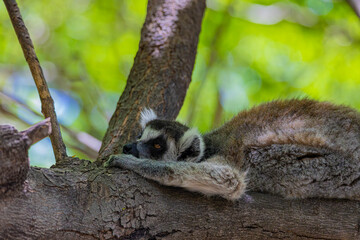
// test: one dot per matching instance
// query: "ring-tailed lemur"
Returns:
(295, 148)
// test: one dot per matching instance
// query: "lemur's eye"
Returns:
(157, 146)
(138, 136)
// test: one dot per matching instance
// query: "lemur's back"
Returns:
(304, 122)
(297, 148)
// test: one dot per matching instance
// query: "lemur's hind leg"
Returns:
(298, 171)
(207, 178)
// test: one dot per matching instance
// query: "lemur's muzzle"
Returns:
(131, 149)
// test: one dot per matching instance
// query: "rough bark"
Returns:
(84, 202)
(14, 162)
(162, 69)
(47, 103)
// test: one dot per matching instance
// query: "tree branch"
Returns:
(47, 103)
(38, 131)
(14, 162)
(355, 4)
(162, 68)
(90, 203)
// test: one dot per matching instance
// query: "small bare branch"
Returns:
(355, 4)
(38, 131)
(47, 103)
(14, 161)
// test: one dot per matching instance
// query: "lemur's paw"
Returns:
(223, 175)
(237, 186)
(110, 162)
(125, 161)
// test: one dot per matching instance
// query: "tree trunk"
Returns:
(162, 69)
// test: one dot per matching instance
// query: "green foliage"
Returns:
(265, 50)
(250, 51)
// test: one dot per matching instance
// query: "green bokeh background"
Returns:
(250, 51)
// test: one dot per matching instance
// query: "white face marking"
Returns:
(149, 133)
(187, 139)
(147, 115)
(171, 153)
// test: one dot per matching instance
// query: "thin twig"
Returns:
(220, 29)
(355, 4)
(47, 103)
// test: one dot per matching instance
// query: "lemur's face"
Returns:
(165, 140)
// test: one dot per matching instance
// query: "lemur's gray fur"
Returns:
(295, 148)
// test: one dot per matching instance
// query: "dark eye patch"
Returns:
(157, 152)
(139, 136)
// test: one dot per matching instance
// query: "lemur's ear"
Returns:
(147, 115)
(191, 146)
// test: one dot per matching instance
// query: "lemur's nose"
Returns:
(127, 148)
